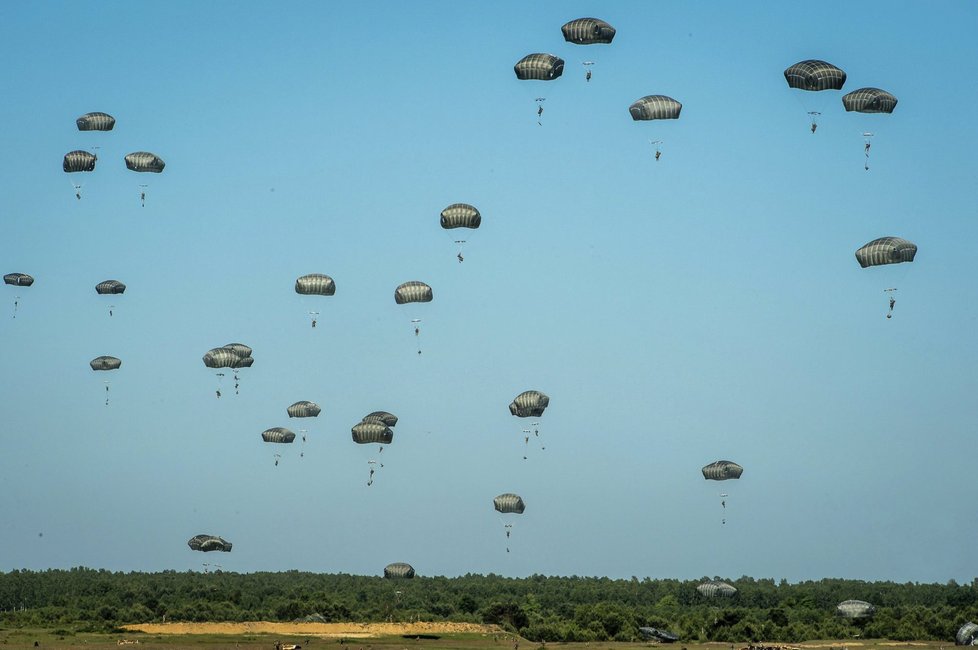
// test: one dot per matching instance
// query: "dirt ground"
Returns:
(325, 630)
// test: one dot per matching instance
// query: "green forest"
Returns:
(539, 608)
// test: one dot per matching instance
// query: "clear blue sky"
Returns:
(677, 312)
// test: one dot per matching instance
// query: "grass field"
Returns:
(353, 636)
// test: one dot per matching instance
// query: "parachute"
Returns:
(814, 75)
(234, 356)
(372, 432)
(460, 215)
(95, 122)
(713, 588)
(722, 470)
(509, 503)
(530, 403)
(382, 417)
(886, 250)
(399, 570)
(208, 543)
(144, 161)
(855, 609)
(967, 634)
(540, 67)
(304, 409)
(588, 31)
(110, 287)
(79, 161)
(18, 279)
(869, 100)
(655, 107)
(105, 363)
(413, 291)
(315, 284)
(278, 435)
(655, 634)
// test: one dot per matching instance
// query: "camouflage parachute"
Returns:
(655, 107)
(110, 287)
(315, 284)
(278, 435)
(96, 121)
(304, 409)
(855, 609)
(79, 161)
(144, 161)
(381, 417)
(869, 100)
(529, 404)
(540, 67)
(372, 432)
(722, 470)
(105, 363)
(655, 634)
(208, 543)
(229, 357)
(814, 75)
(967, 634)
(588, 31)
(886, 250)
(509, 502)
(399, 570)
(713, 588)
(460, 215)
(18, 279)
(413, 291)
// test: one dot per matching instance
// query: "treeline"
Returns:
(539, 608)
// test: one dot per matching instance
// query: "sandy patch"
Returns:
(351, 630)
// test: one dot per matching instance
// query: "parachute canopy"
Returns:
(886, 250)
(105, 363)
(855, 609)
(712, 588)
(278, 434)
(232, 355)
(542, 67)
(144, 161)
(79, 161)
(18, 279)
(869, 100)
(652, 633)
(588, 31)
(967, 634)
(655, 107)
(382, 417)
(399, 570)
(372, 432)
(509, 502)
(814, 75)
(460, 215)
(304, 409)
(110, 287)
(413, 291)
(96, 121)
(721, 470)
(529, 404)
(315, 284)
(207, 543)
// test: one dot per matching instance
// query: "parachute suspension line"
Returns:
(587, 66)
(315, 317)
(302, 452)
(889, 293)
(459, 255)
(278, 457)
(813, 115)
(106, 393)
(539, 101)
(417, 332)
(142, 195)
(658, 149)
(867, 145)
(16, 302)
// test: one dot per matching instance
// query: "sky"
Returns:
(704, 306)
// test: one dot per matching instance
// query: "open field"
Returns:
(372, 636)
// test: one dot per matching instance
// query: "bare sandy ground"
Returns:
(350, 630)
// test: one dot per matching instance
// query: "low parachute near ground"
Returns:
(967, 634)
(855, 609)
(96, 121)
(207, 543)
(716, 588)
(722, 470)
(399, 570)
(655, 634)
